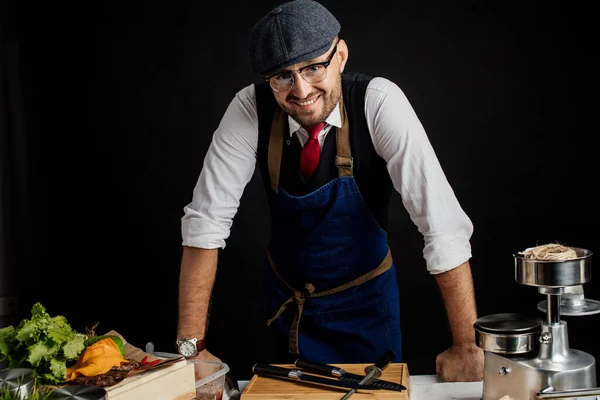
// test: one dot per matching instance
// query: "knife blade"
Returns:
(296, 375)
(342, 374)
(373, 371)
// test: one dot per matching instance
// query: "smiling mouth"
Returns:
(308, 102)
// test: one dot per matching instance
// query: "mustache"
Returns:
(294, 98)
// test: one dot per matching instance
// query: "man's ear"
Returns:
(342, 54)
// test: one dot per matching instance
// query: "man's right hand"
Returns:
(202, 370)
(205, 355)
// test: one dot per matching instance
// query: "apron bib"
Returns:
(330, 281)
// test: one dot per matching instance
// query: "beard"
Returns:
(330, 100)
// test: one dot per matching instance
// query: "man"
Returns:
(331, 147)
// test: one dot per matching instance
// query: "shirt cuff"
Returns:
(445, 254)
(203, 234)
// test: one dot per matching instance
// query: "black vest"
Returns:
(370, 170)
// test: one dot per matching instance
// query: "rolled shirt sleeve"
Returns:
(228, 167)
(400, 139)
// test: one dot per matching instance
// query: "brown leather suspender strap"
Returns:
(278, 129)
(300, 297)
(343, 159)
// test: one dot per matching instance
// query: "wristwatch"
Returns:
(190, 347)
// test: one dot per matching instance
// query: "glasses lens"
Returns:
(314, 73)
(282, 82)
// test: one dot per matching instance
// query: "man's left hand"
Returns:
(460, 363)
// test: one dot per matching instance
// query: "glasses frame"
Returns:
(325, 64)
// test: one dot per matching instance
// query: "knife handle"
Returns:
(385, 359)
(262, 369)
(314, 366)
(381, 363)
(234, 388)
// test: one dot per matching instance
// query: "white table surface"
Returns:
(429, 387)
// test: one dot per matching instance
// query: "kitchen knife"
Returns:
(340, 373)
(296, 375)
(373, 371)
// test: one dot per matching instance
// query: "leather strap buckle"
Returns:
(344, 162)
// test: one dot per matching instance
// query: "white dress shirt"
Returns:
(398, 137)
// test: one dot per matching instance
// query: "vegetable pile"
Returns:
(43, 343)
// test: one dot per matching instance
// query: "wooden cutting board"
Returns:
(261, 387)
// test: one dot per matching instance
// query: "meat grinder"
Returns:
(528, 357)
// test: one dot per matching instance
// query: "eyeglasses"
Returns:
(313, 73)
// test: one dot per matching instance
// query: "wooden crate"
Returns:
(263, 388)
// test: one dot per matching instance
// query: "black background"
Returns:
(113, 106)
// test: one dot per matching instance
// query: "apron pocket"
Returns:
(354, 334)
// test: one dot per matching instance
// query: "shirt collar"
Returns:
(333, 119)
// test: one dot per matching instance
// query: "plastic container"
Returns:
(210, 379)
(210, 376)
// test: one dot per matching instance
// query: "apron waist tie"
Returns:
(300, 297)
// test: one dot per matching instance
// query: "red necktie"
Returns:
(311, 152)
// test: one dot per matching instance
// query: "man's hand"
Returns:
(462, 363)
(202, 370)
(205, 355)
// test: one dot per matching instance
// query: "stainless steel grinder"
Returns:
(528, 358)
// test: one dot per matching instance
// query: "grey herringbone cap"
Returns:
(290, 33)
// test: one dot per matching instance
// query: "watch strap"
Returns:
(200, 345)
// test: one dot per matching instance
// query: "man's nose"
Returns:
(301, 88)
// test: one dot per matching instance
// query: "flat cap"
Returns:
(291, 33)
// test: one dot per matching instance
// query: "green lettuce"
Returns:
(43, 343)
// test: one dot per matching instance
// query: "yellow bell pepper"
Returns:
(96, 359)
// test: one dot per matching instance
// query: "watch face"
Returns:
(187, 348)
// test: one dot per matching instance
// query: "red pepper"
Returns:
(152, 363)
(144, 360)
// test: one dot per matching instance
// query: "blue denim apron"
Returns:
(329, 278)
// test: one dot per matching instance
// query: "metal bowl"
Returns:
(78, 392)
(18, 380)
(508, 333)
(553, 273)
